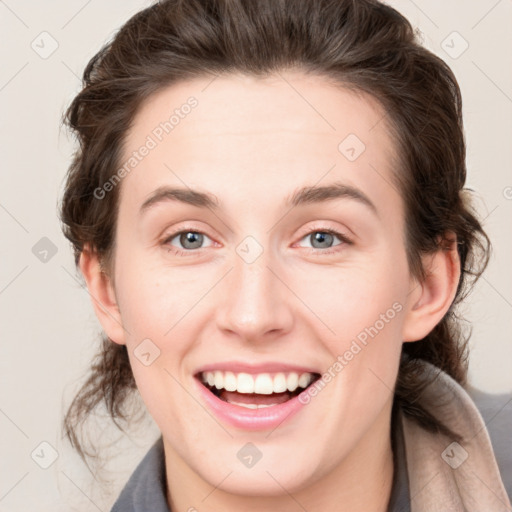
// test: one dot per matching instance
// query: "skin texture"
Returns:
(251, 143)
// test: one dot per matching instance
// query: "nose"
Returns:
(257, 305)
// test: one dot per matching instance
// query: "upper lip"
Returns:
(251, 368)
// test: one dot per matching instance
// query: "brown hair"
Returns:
(360, 44)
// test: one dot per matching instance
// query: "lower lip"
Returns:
(251, 419)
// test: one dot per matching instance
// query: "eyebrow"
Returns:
(183, 195)
(337, 190)
(303, 196)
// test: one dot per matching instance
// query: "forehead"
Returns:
(288, 101)
(257, 138)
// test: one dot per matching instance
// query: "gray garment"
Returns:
(146, 489)
(496, 410)
(400, 498)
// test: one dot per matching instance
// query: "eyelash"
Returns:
(194, 252)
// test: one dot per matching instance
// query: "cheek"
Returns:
(163, 397)
(360, 301)
(162, 311)
(153, 300)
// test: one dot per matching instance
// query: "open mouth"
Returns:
(256, 391)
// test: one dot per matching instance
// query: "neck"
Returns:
(362, 481)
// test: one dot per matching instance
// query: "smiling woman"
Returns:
(277, 273)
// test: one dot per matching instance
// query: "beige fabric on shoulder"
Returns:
(450, 476)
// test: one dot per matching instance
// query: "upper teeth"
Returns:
(262, 383)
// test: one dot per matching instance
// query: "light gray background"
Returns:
(49, 330)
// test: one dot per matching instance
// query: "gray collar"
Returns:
(147, 487)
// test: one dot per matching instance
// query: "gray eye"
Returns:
(191, 239)
(323, 239)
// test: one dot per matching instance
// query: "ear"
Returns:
(102, 296)
(429, 300)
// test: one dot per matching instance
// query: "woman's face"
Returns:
(282, 254)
